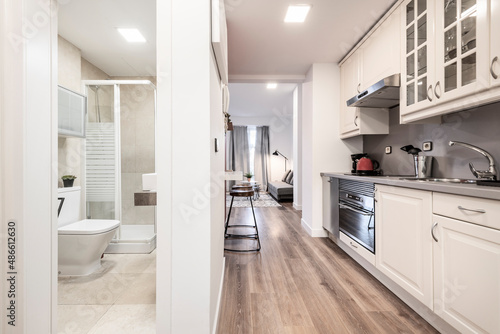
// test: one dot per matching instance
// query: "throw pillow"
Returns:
(283, 179)
(289, 177)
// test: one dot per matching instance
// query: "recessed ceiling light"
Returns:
(132, 35)
(297, 13)
(272, 85)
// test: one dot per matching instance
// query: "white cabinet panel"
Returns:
(381, 52)
(467, 275)
(403, 244)
(494, 60)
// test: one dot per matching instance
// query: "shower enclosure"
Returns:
(120, 147)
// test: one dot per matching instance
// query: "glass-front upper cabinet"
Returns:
(417, 73)
(494, 63)
(462, 48)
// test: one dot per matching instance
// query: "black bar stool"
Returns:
(242, 193)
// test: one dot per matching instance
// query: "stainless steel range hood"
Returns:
(383, 94)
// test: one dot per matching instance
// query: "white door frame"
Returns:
(28, 161)
(28, 164)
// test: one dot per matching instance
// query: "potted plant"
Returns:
(248, 176)
(68, 180)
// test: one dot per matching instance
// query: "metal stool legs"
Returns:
(242, 236)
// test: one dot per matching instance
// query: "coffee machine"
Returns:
(355, 158)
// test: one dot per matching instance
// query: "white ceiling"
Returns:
(255, 100)
(260, 43)
(91, 26)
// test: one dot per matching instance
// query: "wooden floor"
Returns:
(298, 284)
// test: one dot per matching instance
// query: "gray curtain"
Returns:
(237, 152)
(262, 157)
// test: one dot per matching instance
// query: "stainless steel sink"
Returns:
(439, 179)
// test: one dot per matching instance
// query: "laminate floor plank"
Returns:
(297, 284)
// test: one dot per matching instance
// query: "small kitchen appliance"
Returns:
(355, 158)
(367, 166)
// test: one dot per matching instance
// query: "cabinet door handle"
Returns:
(353, 245)
(432, 232)
(472, 210)
(355, 118)
(359, 88)
(429, 95)
(493, 74)
(435, 90)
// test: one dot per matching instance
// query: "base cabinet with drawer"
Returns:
(466, 252)
(402, 239)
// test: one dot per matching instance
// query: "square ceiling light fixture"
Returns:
(297, 13)
(132, 35)
(272, 85)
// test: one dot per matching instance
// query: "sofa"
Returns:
(282, 190)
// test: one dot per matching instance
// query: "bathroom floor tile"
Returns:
(95, 289)
(79, 319)
(141, 291)
(126, 263)
(127, 319)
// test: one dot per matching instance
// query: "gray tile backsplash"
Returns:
(479, 127)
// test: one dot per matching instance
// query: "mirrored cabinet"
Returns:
(72, 111)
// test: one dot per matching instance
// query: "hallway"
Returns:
(299, 284)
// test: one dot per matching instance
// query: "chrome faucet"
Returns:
(491, 173)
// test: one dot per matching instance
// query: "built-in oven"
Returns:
(357, 212)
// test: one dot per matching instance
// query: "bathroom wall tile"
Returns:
(142, 291)
(145, 130)
(92, 72)
(101, 288)
(145, 159)
(127, 319)
(79, 319)
(145, 215)
(128, 159)
(128, 133)
(69, 63)
(128, 212)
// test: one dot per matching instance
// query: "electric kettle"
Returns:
(366, 166)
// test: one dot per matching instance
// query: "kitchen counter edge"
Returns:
(449, 188)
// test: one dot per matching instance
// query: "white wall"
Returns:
(297, 147)
(28, 162)
(280, 138)
(190, 174)
(322, 150)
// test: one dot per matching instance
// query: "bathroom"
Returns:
(122, 290)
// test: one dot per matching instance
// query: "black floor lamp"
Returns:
(279, 153)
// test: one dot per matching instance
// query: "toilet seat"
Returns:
(89, 227)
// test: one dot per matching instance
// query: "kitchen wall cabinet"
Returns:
(462, 48)
(417, 71)
(377, 58)
(449, 55)
(403, 244)
(467, 275)
(494, 60)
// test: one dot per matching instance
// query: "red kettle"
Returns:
(366, 166)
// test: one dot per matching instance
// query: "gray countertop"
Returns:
(450, 188)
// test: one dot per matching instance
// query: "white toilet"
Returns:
(81, 242)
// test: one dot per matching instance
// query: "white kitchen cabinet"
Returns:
(467, 275)
(377, 58)
(494, 60)
(403, 243)
(462, 48)
(380, 53)
(417, 71)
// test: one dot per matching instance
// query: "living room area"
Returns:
(262, 142)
